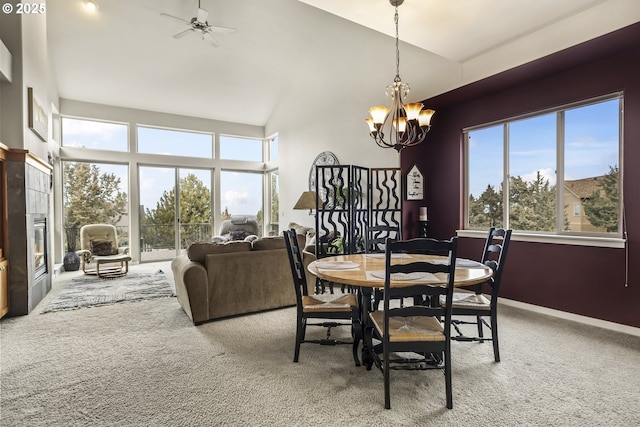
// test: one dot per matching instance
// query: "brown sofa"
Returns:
(216, 280)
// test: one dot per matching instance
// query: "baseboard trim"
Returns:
(571, 316)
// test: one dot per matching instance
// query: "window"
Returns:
(93, 134)
(171, 169)
(274, 203)
(174, 142)
(241, 194)
(562, 168)
(234, 148)
(95, 193)
(273, 148)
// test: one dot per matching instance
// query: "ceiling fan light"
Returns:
(91, 5)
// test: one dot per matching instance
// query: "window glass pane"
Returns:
(94, 135)
(591, 166)
(195, 206)
(485, 148)
(233, 148)
(241, 194)
(157, 213)
(174, 142)
(274, 200)
(273, 148)
(532, 166)
(95, 193)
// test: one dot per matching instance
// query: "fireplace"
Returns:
(29, 231)
(39, 247)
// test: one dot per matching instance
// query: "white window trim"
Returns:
(558, 239)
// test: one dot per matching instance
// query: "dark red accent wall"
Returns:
(588, 281)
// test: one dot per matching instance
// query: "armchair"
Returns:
(99, 245)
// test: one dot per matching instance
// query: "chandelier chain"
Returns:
(397, 79)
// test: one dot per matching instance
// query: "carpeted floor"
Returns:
(91, 291)
(145, 364)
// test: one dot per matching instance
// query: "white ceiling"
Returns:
(124, 54)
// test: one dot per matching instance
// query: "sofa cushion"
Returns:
(197, 252)
(267, 243)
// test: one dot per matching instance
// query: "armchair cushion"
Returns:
(102, 247)
(239, 234)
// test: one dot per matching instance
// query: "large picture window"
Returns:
(93, 134)
(180, 191)
(552, 172)
(174, 142)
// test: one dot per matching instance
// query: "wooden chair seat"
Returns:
(469, 300)
(407, 329)
(344, 303)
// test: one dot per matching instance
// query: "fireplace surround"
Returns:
(28, 214)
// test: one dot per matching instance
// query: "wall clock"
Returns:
(415, 184)
(326, 158)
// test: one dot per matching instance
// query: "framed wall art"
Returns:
(415, 184)
(38, 119)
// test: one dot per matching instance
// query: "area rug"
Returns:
(92, 291)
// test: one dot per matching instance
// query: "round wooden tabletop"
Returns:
(367, 270)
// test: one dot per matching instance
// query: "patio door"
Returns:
(175, 210)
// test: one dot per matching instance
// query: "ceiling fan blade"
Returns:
(222, 29)
(202, 15)
(209, 38)
(183, 33)
(175, 17)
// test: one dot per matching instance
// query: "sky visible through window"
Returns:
(591, 147)
(240, 192)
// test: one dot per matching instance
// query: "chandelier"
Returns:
(403, 125)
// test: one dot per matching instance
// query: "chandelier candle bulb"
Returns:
(423, 214)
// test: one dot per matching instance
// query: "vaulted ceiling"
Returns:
(124, 54)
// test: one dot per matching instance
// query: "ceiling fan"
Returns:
(199, 24)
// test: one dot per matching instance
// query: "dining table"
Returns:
(365, 271)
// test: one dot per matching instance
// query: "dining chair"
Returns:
(313, 311)
(421, 329)
(476, 304)
(375, 240)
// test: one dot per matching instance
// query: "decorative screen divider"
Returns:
(350, 199)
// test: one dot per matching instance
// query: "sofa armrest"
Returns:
(192, 289)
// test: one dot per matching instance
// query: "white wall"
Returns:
(327, 113)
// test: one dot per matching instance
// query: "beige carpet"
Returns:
(145, 364)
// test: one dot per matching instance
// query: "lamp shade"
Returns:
(307, 200)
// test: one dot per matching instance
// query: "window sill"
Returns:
(602, 242)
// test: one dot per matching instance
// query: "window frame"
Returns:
(135, 159)
(601, 239)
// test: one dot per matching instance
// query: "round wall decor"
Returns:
(323, 159)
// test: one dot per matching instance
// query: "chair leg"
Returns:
(480, 331)
(494, 336)
(300, 330)
(447, 378)
(377, 296)
(387, 385)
